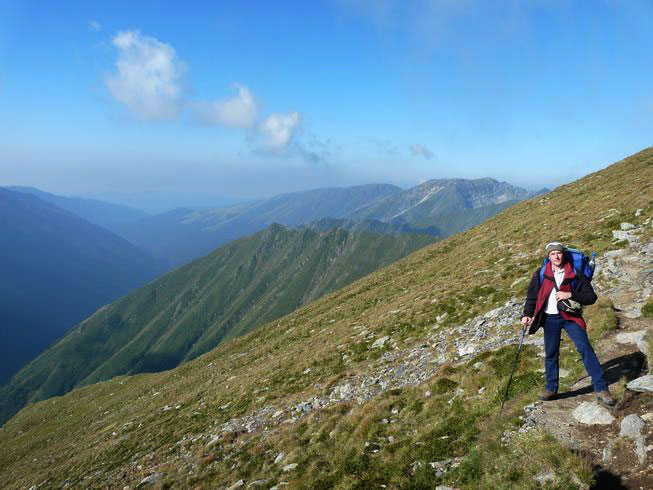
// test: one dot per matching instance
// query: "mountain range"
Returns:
(181, 235)
(382, 382)
(438, 207)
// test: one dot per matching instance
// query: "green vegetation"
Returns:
(601, 318)
(647, 309)
(121, 430)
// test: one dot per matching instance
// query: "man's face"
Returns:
(556, 257)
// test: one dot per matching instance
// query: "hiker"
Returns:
(541, 309)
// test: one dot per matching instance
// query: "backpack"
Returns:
(581, 263)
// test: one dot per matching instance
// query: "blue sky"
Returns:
(249, 99)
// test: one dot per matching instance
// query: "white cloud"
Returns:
(278, 129)
(148, 78)
(421, 151)
(94, 25)
(239, 111)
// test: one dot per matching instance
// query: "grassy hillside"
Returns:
(189, 311)
(171, 423)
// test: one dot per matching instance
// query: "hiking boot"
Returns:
(605, 398)
(547, 395)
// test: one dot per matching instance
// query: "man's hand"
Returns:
(527, 320)
(560, 295)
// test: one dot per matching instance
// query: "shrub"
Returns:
(647, 309)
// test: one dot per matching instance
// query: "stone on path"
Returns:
(631, 427)
(591, 413)
(633, 338)
(643, 384)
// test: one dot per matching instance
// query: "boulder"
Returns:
(636, 338)
(631, 427)
(643, 384)
(591, 413)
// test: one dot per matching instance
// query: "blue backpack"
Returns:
(581, 263)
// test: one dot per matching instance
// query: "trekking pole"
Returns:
(514, 365)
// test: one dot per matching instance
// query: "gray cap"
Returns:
(554, 246)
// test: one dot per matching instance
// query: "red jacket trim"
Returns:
(547, 286)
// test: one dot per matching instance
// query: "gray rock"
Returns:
(627, 226)
(290, 467)
(150, 480)
(636, 338)
(238, 484)
(641, 450)
(467, 349)
(625, 235)
(378, 343)
(258, 483)
(631, 427)
(279, 457)
(607, 453)
(642, 384)
(547, 476)
(591, 413)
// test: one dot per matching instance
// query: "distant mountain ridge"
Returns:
(192, 309)
(451, 205)
(438, 207)
(56, 269)
(183, 235)
(100, 213)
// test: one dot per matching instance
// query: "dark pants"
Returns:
(553, 326)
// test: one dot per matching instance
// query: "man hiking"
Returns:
(561, 282)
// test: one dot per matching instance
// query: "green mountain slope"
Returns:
(55, 270)
(371, 225)
(189, 311)
(176, 425)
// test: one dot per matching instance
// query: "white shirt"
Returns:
(552, 304)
